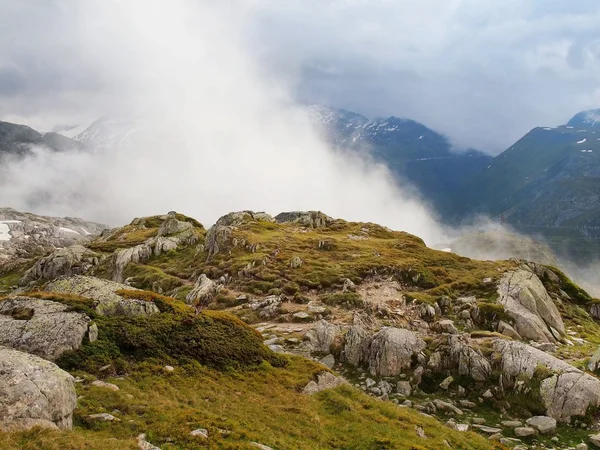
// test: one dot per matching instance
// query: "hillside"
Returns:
(295, 331)
(16, 140)
(545, 184)
(412, 151)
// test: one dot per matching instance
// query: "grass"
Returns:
(263, 404)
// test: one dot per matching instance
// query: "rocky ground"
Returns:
(505, 350)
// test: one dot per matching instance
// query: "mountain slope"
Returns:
(412, 151)
(16, 140)
(548, 182)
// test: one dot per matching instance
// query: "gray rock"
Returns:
(348, 286)
(487, 430)
(328, 361)
(594, 362)
(73, 260)
(469, 361)
(102, 417)
(583, 446)
(447, 326)
(302, 316)
(321, 338)
(508, 330)
(446, 406)
(446, 383)
(467, 404)
(260, 446)
(325, 380)
(527, 302)
(511, 423)
(105, 385)
(488, 394)
(427, 312)
(33, 389)
(544, 424)
(524, 431)
(404, 388)
(312, 219)
(391, 351)
(203, 292)
(201, 432)
(41, 327)
(355, 350)
(103, 292)
(296, 262)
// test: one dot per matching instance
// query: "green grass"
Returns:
(263, 405)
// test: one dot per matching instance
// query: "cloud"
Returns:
(219, 132)
(480, 71)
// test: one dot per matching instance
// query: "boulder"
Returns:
(404, 388)
(73, 260)
(594, 362)
(45, 328)
(321, 338)
(356, 346)
(567, 392)
(595, 440)
(507, 330)
(391, 351)
(525, 431)
(123, 257)
(527, 302)
(446, 326)
(104, 293)
(467, 360)
(33, 390)
(203, 293)
(325, 380)
(312, 219)
(543, 424)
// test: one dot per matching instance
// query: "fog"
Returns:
(219, 132)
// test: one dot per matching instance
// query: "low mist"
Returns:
(219, 134)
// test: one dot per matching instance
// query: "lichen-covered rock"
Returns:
(567, 392)
(356, 346)
(73, 260)
(34, 391)
(203, 293)
(325, 380)
(467, 360)
(45, 328)
(391, 351)
(123, 257)
(527, 302)
(312, 219)
(321, 338)
(104, 293)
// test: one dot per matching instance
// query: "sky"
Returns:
(482, 72)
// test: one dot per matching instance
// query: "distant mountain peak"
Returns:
(586, 119)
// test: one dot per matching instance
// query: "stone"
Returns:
(203, 292)
(594, 362)
(348, 286)
(93, 332)
(446, 383)
(427, 312)
(595, 440)
(567, 392)
(478, 420)
(321, 338)
(447, 326)
(446, 406)
(105, 385)
(73, 260)
(143, 444)
(201, 432)
(325, 380)
(102, 417)
(311, 219)
(467, 360)
(404, 388)
(467, 404)
(296, 262)
(488, 394)
(169, 369)
(328, 361)
(544, 424)
(583, 446)
(391, 351)
(41, 327)
(524, 431)
(461, 392)
(301, 316)
(106, 301)
(507, 330)
(33, 389)
(511, 423)
(527, 302)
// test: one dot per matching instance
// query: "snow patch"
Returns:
(420, 137)
(86, 232)
(447, 250)
(5, 230)
(68, 230)
(582, 141)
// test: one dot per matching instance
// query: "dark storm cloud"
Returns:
(482, 72)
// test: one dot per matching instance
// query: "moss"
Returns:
(493, 312)
(577, 295)
(144, 276)
(163, 303)
(346, 299)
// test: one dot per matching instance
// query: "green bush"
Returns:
(345, 299)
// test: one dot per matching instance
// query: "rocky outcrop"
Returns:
(356, 346)
(103, 292)
(219, 237)
(34, 392)
(203, 293)
(45, 328)
(325, 380)
(312, 219)
(468, 361)
(391, 351)
(567, 392)
(321, 338)
(527, 302)
(73, 260)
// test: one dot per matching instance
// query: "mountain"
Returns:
(547, 183)
(294, 331)
(16, 140)
(412, 151)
